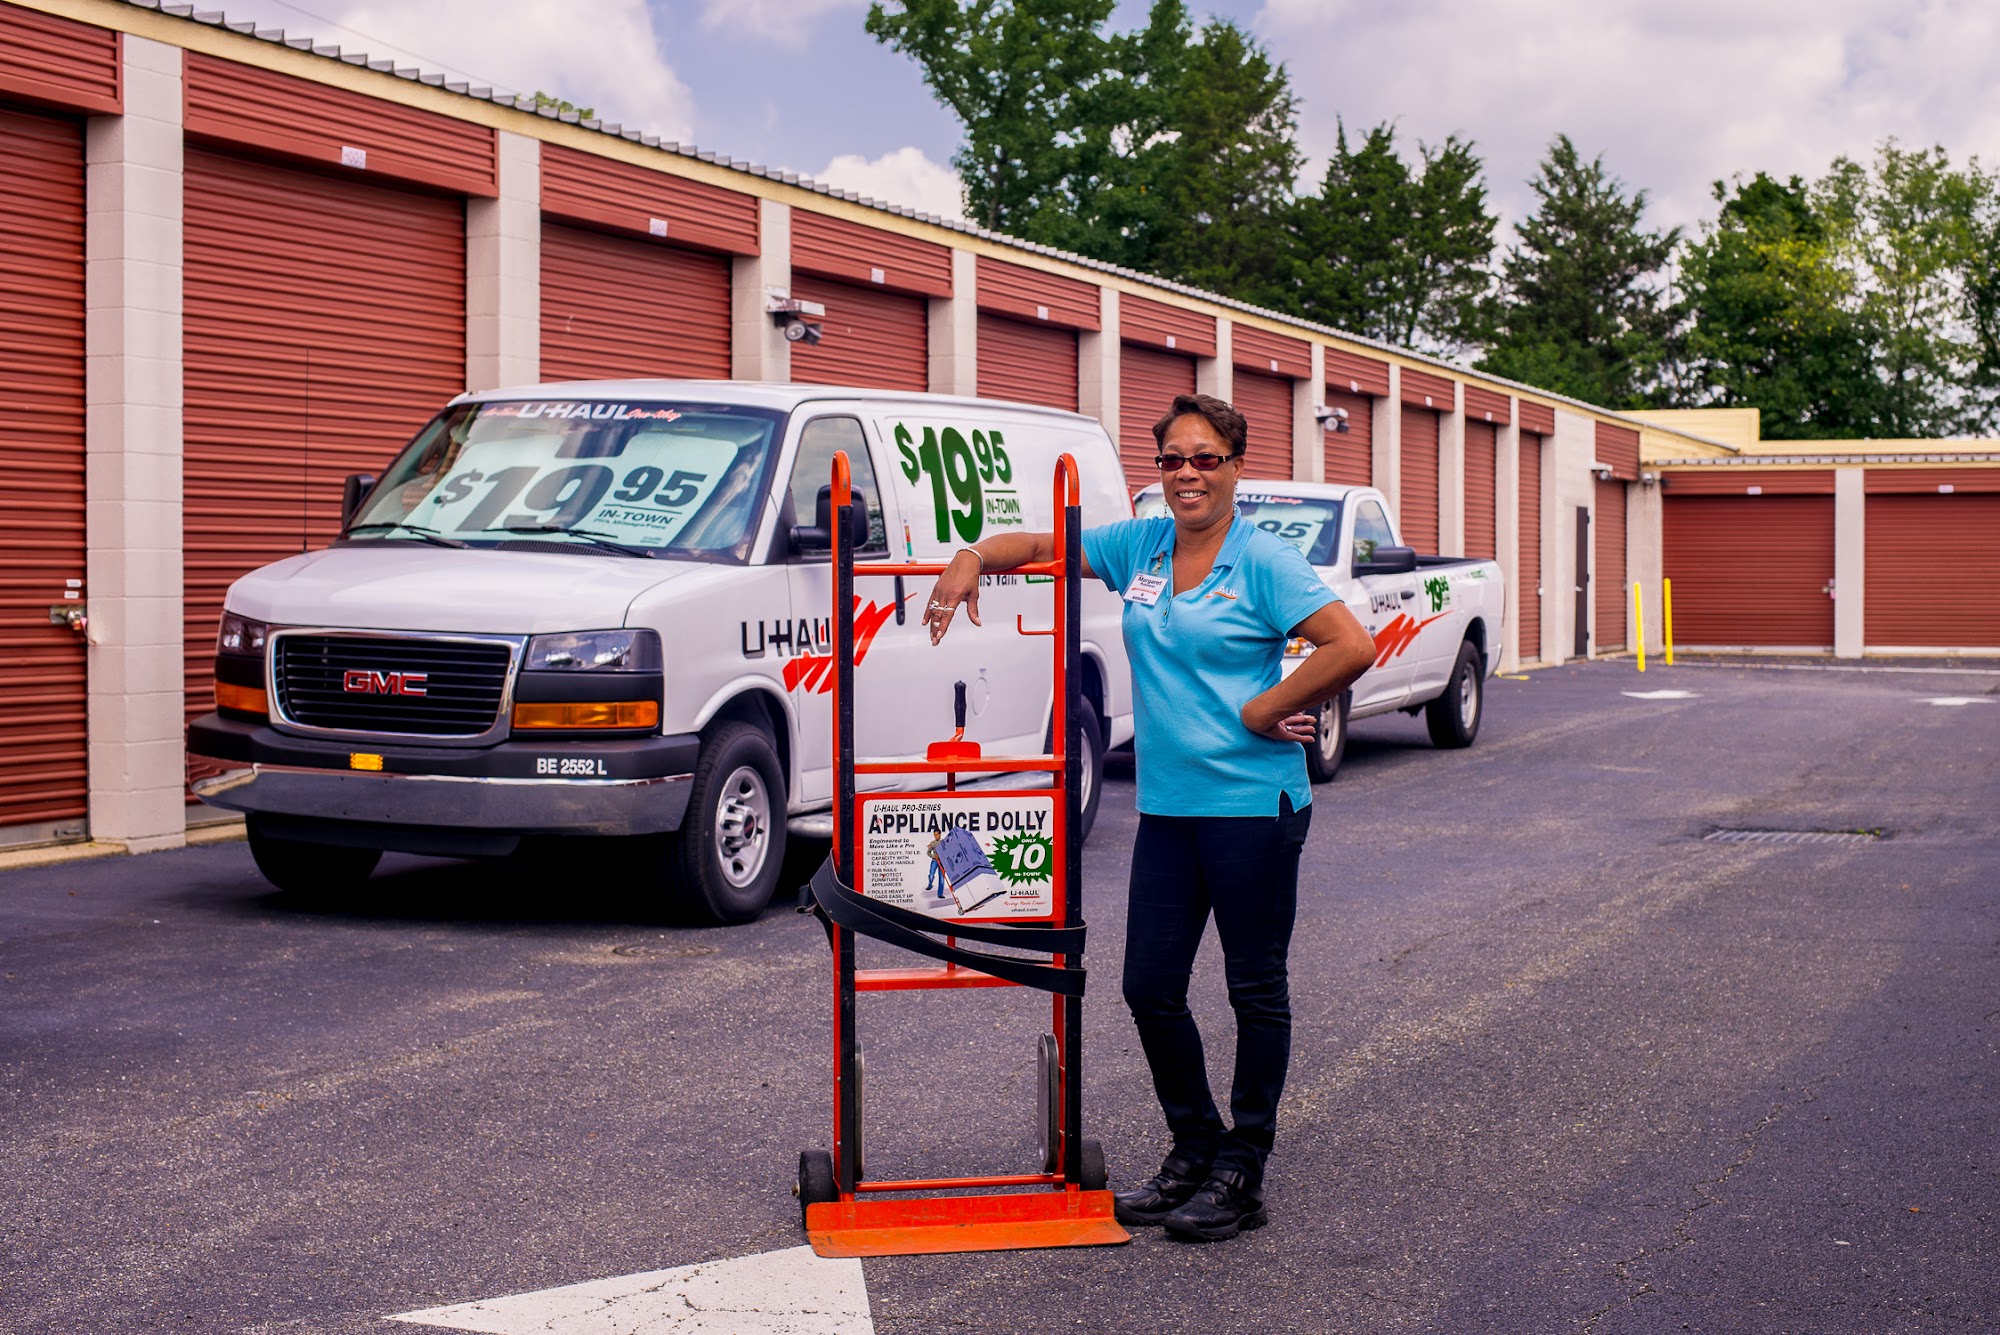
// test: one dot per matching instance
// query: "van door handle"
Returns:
(1407, 593)
(899, 600)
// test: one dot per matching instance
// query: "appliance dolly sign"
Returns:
(980, 854)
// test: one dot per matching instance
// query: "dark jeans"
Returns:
(1245, 869)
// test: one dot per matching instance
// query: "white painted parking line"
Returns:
(1955, 701)
(1662, 695)
(789, 1292)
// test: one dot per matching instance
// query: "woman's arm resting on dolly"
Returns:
(1343, 652)
(960, 581)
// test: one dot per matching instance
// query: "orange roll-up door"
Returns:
(1266, 402)
(1529, 577)
(615, 307)
(325, 323)
(1608, 530)
(1028, 363)
(1750, 570)
(869, 337)
(1418, 508)
(1147, 383)
(1482, 537)
(43, 755)
(1350, 454)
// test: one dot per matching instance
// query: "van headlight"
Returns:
(595, 651)
(239, 636)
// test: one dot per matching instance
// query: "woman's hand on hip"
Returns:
(1260, 718)
(958, 584)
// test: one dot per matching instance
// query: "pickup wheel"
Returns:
(1454, 716)
(1329, 743)
(308, 870)
(732, 841)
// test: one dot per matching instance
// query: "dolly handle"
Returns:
(958, 704)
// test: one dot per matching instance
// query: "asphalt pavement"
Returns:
(1561, 1062)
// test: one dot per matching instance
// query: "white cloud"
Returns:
(782, 21)
(611, 63)
(1674, 96)
(904, 177)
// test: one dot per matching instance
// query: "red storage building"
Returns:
(1156, 362)
(635, 269)
(876, 287)
(1750, 554)
(1353, 383)
(1424, 397)
(1528, 575)
(1933, 538)
(325, 311)
(1028, 322)
(1267, 365)
(1613, 596)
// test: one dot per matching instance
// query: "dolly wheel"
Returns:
(1095, 1177)
(816, 1180)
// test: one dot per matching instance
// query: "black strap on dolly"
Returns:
(836, 902)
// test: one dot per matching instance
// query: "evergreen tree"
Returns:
(1395, 253)
(1581, 310)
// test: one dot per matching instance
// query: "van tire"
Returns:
(732, 841)
(1453, 718)
(311, 871)
(1093, 764)
(1329, 744)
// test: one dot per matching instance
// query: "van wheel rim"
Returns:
(742, 827)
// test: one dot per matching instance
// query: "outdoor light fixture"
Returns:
(792, 315)
(1603, 472)
(1330, 419)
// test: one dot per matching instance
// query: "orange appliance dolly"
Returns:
(1065, 1203)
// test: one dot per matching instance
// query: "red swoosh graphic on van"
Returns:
(815, 671)
(1395, 638)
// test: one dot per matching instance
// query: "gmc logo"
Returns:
(360, 681)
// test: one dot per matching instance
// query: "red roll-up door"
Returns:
(43, 750)
(870, 337)
(1608, 577)
(1750, 571)
(1528, 578)
(615, 307)
(1266, 403)
(1028, 363)
(1482, 536)
(1350, 454)
(1418, 516)
(1933, 570)
(325, 323)
(1147, 383)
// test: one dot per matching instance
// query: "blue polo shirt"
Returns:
(1199, 656)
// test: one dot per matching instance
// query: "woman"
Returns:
(1224, 801)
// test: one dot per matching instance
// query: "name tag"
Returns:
(1146, 589)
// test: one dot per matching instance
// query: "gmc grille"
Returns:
(464, 684)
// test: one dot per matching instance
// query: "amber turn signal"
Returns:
(242, 699)
(599, 714)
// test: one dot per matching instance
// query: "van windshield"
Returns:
(1309, 523)
(667, 479)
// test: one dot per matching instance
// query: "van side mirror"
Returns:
(352, 492)
(1388, 561)
(819, 536)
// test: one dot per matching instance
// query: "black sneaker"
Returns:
(1222, 1207)
(1161, 1194)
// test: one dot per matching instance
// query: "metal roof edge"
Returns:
(1819, 460)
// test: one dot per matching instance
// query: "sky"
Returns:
(1673, 96)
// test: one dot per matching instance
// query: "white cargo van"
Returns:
(603, 609)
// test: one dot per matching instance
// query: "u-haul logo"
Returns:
(362, 681)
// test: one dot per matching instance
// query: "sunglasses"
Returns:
(1204, 462)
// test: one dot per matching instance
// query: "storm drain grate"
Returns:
(1792, 836)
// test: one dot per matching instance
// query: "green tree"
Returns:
(1395, 250)
(1775, 320)
(1915, 236)
(1581, 308)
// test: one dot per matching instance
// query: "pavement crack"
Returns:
(1708, 1192)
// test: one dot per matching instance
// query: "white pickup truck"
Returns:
(1436, 619)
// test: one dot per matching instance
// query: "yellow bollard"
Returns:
(1638, 625)
(1667, 617)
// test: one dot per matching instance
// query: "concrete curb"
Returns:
(50, 855)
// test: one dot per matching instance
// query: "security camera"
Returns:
(1603, 472)
(1330, 419)
(801, 330)
(792, 315)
